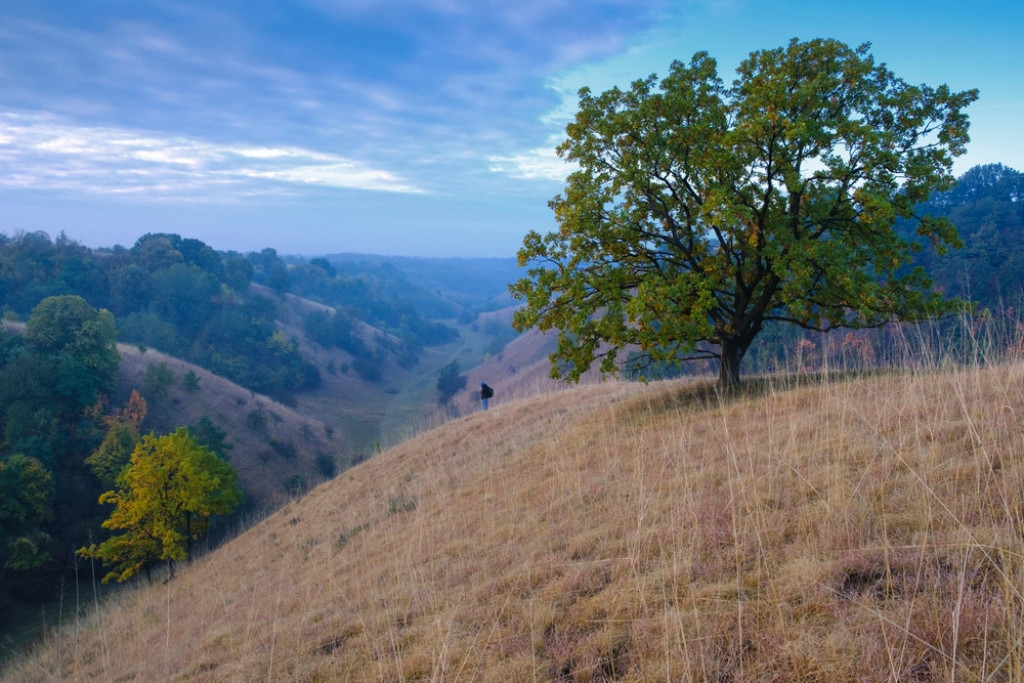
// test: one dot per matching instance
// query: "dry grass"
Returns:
(862, 529)
(273, 446)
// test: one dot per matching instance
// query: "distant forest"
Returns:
(180, 296)
(987, 206)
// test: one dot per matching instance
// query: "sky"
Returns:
(394, 127)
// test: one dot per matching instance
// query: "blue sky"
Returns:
(399, 127)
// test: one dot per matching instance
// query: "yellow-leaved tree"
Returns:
(164, 499)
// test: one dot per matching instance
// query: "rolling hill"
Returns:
(282, 450)
(278, 452)
(844, 528)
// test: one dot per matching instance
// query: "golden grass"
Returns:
(863, 529)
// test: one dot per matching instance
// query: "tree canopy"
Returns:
(164, 500)
(174, 294)
(699, 211)
(80, 342)
(53, 379)
(26, 492)
(450, 382)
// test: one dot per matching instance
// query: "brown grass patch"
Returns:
(863, 529)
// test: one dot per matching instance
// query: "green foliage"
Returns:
(32, 267)
(164, 500)
(700, 211)
(256, 420)
(114, 452)
(987, 206)
(158, 381)
(296, 485)
(450, 382)
(245, 346)
(367, 368)
(381, 296)
(52, 380)
(337, 330)
(26, 503)
(285, 449)
(326, 465)
(206, 433)
(278, 279)
(81, 345)
(168, 293)
(190, 381)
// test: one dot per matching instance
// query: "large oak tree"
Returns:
(699, 211)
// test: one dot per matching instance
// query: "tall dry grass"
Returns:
(853, 527)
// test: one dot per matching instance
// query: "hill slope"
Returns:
(276, 450)
(862, 529)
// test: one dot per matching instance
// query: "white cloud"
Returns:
(345, 174)
(165, 156)
(263, 152)
(541, 163)
(51, 155)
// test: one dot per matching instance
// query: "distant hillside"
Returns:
(473, 281)
(278, 452)
(368, 411)
(858, 529)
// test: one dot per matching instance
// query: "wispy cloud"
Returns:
(420, 95)
(541, 163)
(45, 154)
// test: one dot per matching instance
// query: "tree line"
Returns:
(64, 456)
(182, 297)
(174, 294)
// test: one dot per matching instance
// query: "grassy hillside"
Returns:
(277, 451)
(849, 529)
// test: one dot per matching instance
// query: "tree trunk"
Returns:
(734, 348)
(733, 351)
(188, 536)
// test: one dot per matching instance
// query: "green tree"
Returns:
(190, 381)
(700, 211)
(278, 279)
(81, 344)
(163, 501)
(153, 251)
(987, 208)
(158, 381)
(26, 503)
(450, 382)
(114, 452)
(206, 433)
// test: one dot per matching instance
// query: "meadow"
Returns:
(826, 525)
